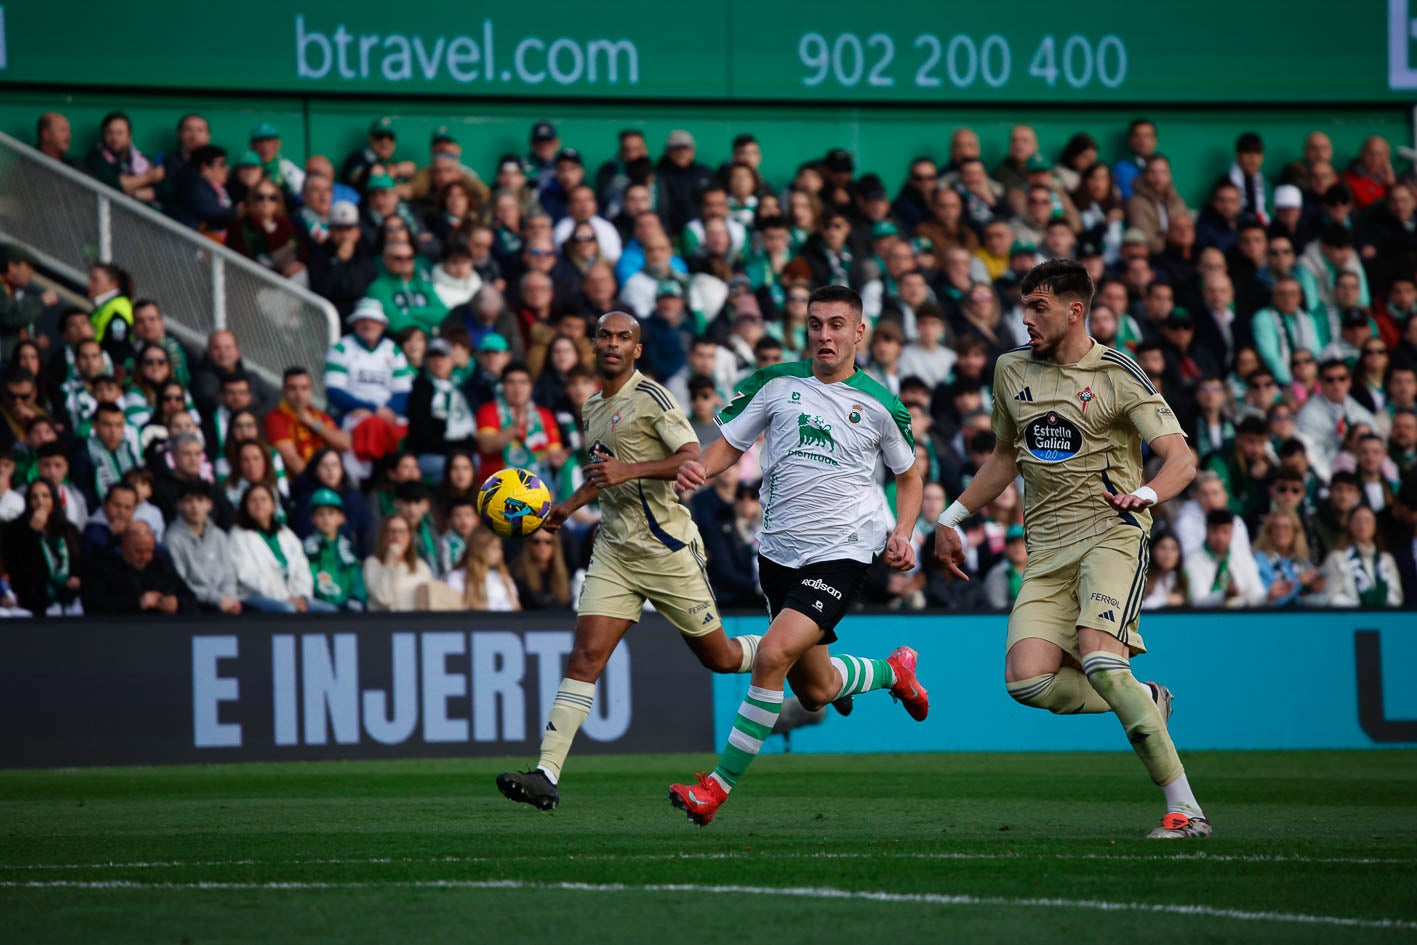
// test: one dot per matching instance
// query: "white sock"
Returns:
(555, 780)
(1180, 800)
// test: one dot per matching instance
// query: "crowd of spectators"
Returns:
(1274, 311)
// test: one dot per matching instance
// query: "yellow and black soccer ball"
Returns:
(513, 502)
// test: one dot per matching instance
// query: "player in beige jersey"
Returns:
(1070, 416)
(647, 547)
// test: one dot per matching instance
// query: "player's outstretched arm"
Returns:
(1178, 468)
(997, 472)
(719, 456)
(564, 510)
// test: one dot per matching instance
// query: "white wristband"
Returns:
(952, 516)
(1145, 492)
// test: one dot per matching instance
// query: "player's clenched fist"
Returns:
(691, 476)
(555, 518)
(900, 553)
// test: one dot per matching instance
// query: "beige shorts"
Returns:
(676, 584)
(1097, 583)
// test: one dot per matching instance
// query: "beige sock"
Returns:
(568, 711)
(1111, 676)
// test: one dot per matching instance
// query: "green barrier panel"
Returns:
(834, 50)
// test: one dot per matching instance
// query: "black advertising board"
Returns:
(430, 685)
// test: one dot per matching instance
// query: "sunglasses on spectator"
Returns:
(148, 362)
(175, 397)
(924, 178)
(1375, 351)
(541, 252)
(15, 395)
(1290, 490)
(401, 258)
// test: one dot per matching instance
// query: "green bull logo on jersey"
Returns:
(814, 431)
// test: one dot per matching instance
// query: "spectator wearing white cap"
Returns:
(367, 382)
(1288, 217)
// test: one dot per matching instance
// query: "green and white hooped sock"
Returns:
(756, 716)
(858, 675)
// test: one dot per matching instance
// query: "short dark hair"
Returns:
(1063, 278)
(102, 409)
(1217, 517)
(1138, 123)
(1335, 235)
(1329, 363)
(836, 293)
(236, 377)
(1346, 478)
(515, 367)
(125, 487)
(701, 382)
(631, 133)
(766, 343)
(459, 501)
(113, 116)
(207, 155)
(1250, 223)
(412, 491)
(1252, 426)
(52, 449)
(740, 140)
(772, 223)
(1249, 143)
(1285, 474)
(294, 371)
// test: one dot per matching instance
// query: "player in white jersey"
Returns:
(824, 520)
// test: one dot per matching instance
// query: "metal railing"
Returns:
(69, 221)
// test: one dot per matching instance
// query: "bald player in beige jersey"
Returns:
(1070, 416)
(647, 547)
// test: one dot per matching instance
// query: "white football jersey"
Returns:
(819, 493)
(372, 375)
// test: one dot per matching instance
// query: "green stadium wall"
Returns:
(883, 138)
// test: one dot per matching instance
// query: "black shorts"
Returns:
(823, 590)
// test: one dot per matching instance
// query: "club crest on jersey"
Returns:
(614, 419)
(599, 452)
(1085, 395)
(855, 415)
(1051, 439)
(814, 431)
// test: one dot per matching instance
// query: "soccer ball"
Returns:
(513, 502)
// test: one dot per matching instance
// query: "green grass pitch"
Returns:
(1310, 847)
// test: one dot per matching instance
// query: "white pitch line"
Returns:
(643, 857)
(933, 899)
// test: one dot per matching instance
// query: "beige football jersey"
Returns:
(1078, 429)
(640, 424)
